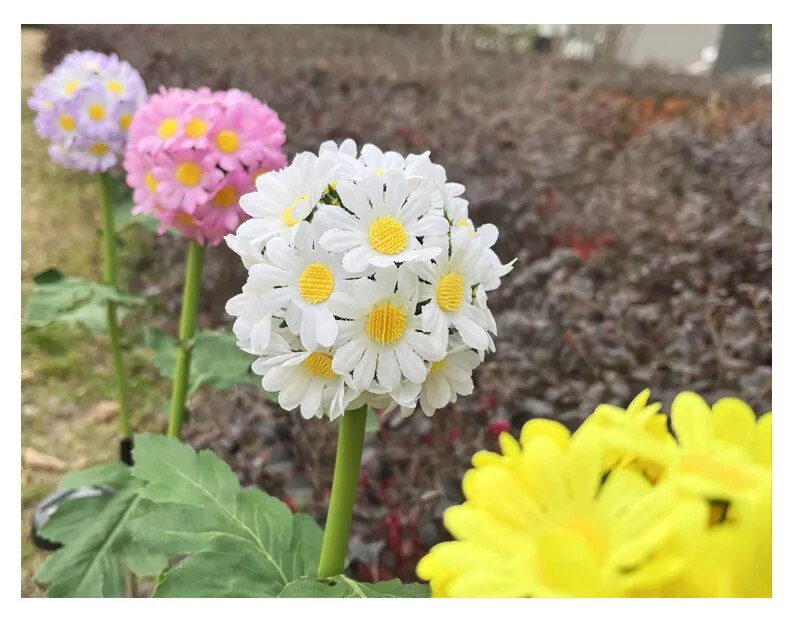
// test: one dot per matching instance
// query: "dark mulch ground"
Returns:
(638, 204)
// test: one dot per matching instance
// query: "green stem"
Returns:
(111, 279)
(186, 333)
(344, 492)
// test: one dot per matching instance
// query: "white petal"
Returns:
(437, 391)
(411, 365)
(340, 240)
(293, 391)
(430, 225)
(363, 373)
(345, 306)
(388, 372)
(275, 379)
(347, 356)
(353, 198)
(357, 260)
(326, 327)
(428, 347)
(472, 334)
(336, 217)
(311, 401)
(268, 275)
(280, 254)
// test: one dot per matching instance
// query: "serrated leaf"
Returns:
(114, 475)
(344, 587)
(216, 360)
(97, 542)
(89, 564)
(72, 300)
(239, 543)
(142, 561)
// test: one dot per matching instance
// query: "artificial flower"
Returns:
(351, 252)
(84, 108)
(544, 522)
(193, 154)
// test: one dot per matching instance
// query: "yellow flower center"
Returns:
(71, 87)
(436, 366)
(66, 122)
(319, 364)
(186, 220)
(188, 174)
(450, 292)
(96, 112)
(115, 87)
(227, 141)
(316, 283)
(150, 182)
(226, 197)
(167, 128)
(195, 128)
(99, 149)
(386, 324)
(379, 171)
(124, 120)
(387, 236)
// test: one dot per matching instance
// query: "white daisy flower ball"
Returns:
(367, 283)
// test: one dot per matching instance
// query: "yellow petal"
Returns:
(570, 564)
(763, 450)
(486, 458)
(734, 422)
(487, 584)
(467, 522)
(691, 422)
(548, 428)
(509, 445)
(586, 469)
(639, 402)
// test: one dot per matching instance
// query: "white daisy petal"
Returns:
(387, 371)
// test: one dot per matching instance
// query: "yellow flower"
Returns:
(542, 520)
(724, 453)
(724, 459)
(639, 419)
(731, 558)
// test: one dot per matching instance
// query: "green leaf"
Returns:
(344, 587)
(90, 563)
(216, 359)
(48, 276)
(142, 561)
(97, 542)
(240, 543)
(72, 300)
(114, 475)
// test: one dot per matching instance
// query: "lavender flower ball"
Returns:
(84, 109)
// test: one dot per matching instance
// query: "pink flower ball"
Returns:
(193, 153)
